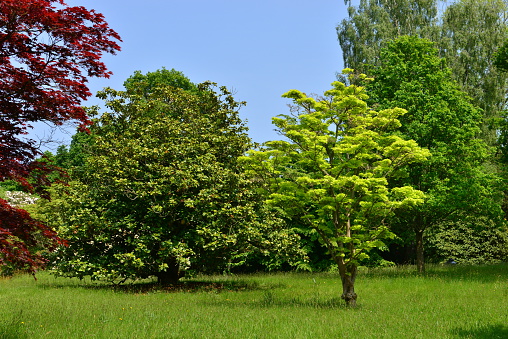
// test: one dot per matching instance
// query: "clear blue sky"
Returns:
(260, 49)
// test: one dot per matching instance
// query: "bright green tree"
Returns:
(332, 173)
(441, 118)
(161, 191)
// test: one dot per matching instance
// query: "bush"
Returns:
(468, 242)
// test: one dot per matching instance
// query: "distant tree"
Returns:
(472, 31)
(332, 173)
(441, 118)
(47, 52)
(161, 190)
(146, 83)
(373, 23)
(467, 33)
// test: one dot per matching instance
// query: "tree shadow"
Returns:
(270, 300)
(185, 286)
(485, 332)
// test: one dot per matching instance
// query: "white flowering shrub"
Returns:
(18, 198)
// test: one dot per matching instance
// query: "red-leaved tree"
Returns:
(47, 52)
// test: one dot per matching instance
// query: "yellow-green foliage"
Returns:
(331, 171)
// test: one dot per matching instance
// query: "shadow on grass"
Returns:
(486, 332)
(270, 299)
(185, 286)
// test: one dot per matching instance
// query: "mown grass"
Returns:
(446, 302)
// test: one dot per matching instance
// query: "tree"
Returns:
(332, 172)
(22, 240)
(161, 190)
(467, 33)
(374, 22)
(472, 31)
(144, 84)
(441, 118)
(47, 51)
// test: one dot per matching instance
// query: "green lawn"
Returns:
(446, 302)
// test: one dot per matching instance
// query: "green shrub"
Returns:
(477, 241)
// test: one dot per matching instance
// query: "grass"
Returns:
(446, 302)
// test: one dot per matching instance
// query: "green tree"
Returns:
(72, 157)
(468, 32)
(144, 84)
(332, 171)
(374, 22)
(441, 118)
(161, 190)
(472, 31)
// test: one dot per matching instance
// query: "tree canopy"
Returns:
(442, 118)
(467, 33)
(332, 172)
(47, 52)
(162, 191)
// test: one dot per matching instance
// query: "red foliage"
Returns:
(21, 237)
(47, 52)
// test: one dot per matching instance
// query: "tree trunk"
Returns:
(348, 286)
(171, 275)
(420, 259)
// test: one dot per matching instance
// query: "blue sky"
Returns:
(259, 49)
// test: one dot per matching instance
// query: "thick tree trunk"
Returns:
(420, 259)
(348, 277)
(348, 291)
(171, 275)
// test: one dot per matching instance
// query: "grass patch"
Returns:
(445, 302)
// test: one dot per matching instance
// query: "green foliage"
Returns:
(375, 22)
(331, 171)
(469, 241)
(145, 84)
(9, 185)
(161, 191)
(467, 33)
(442, 118)
(472, 31)
(501, 56)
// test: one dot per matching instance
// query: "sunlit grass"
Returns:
(446, 302)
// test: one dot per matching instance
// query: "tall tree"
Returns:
(472, 31)
(47, 52)
(467, 32)
(332, 173)
(161, 190)
(441, 118)
(374, 22)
